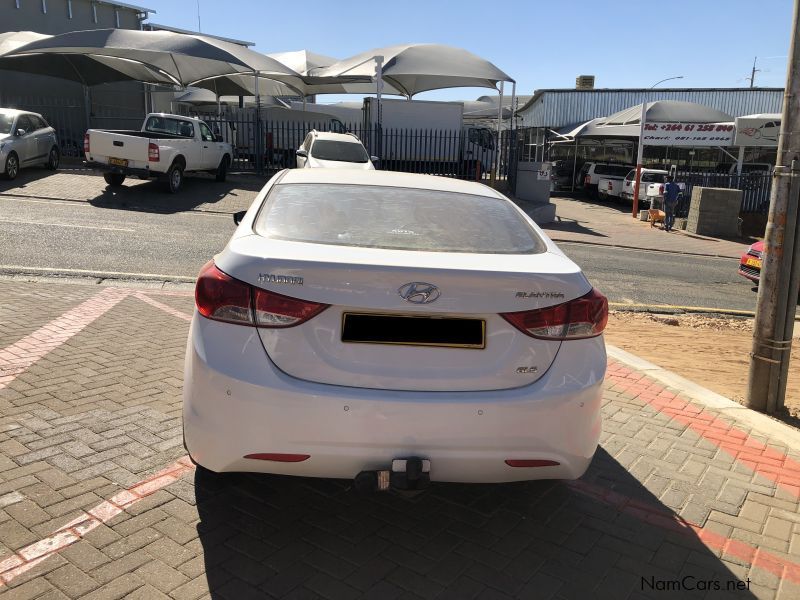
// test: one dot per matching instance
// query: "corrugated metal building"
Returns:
(561, 107)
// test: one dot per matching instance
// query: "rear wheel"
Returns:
(53, 158)
(12, 166)
(222, 169)
(114, 179)
(175, 178)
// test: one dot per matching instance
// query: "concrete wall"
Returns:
(114, 106)
(714, 212)
(30, 16)
(533, 185)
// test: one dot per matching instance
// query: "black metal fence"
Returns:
(755, 188)
(263, 146)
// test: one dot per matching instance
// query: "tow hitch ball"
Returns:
(405, 474)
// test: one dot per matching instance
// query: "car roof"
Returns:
(339, 137)
(387, 179)
(16, 111)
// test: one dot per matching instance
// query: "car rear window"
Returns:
(395, 218)
(157, 124)
(339, 151)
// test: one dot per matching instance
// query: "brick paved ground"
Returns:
(90, 407)
(609, 224)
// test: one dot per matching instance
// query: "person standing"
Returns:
(671, 193)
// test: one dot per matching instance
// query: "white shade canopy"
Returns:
(668, 111)
(184, 58)
(413, 68)
(82, 68)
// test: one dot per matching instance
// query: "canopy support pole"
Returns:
(574, 163)
(87, 103)
(499, 124)
(639, 158)
(378, 101)
(513, 104)
(258, 140)
(740, 160)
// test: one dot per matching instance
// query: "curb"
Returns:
(83, 276)
(625, 247)
(774, 429)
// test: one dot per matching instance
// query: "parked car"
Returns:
(393, 327)
(333, 151)
(610, 188)
(26, 139)
(648, 176)
(592, 172)
(167, 146)
(561, 175)
(750, 264)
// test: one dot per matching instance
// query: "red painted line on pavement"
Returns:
(757, 456)
(663, 518)
(167, 309)
(21, 355)
(30, 556)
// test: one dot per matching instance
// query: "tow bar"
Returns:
(406, 474)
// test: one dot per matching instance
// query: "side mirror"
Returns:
(374, 158)
(302, 153)
(21, 132)
(238, 216)
(218, 138)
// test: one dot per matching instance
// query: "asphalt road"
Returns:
(59, 235)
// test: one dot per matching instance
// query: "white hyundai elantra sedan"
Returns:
(396, 329)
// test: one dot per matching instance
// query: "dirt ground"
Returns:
(711, 351)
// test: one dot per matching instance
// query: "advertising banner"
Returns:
(688, 134)
(758, 131)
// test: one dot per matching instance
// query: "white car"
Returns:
(396, 329)
(333, 151)
(26, 139)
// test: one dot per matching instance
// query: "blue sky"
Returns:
(542, 44)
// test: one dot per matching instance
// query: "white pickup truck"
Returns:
(649, 176)
(167, 146)
(610, 187)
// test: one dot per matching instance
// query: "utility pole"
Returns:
(752, 77)
(778, 288)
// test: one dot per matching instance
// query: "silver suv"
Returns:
(26, 139)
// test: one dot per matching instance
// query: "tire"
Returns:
(11, 169)
(222, 169)
(114, 179)
(53, 159)
(175, 177)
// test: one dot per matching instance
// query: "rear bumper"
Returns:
(236, 402)
(106, 168)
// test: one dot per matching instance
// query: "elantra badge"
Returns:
(419, 292)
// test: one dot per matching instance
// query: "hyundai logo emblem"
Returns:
(419, 292)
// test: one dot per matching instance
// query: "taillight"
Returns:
(153, 154)
(583, 317)
(86, 143)
(220, 297)
(274, 310)
(609, 186)
(661, 189)
(587, 180)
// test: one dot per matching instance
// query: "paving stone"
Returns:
(72, 581)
